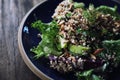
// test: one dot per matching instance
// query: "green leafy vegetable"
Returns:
(47, 44)
(95, 77)
(62, 42)
(79, 5)
(111, 54)
(112, 47)
(91, 7)
(68, 15)
(90, 14)
(88, 75)
(109, 10)
(106, 9)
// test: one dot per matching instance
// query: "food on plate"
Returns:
(79, 39)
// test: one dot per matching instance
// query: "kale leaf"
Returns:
(112, 47)
(109, 10)
(47, 45)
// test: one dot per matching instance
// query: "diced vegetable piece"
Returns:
(78, 49)
(78, 5)
(63, 42)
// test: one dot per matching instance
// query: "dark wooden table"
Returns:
(12, 66)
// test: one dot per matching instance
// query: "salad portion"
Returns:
(79, 39)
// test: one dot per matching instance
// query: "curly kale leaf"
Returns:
(48, 43)
(90, 14)
(88, 75)
(109, 10)
(112, 51)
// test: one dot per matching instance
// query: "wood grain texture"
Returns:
(12, 67)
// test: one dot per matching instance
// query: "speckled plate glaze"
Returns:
(27, 38)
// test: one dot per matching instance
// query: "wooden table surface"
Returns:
(12, 66)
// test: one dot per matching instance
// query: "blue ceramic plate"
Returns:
(27, 38)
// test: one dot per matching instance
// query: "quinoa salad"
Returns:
(82, 40)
